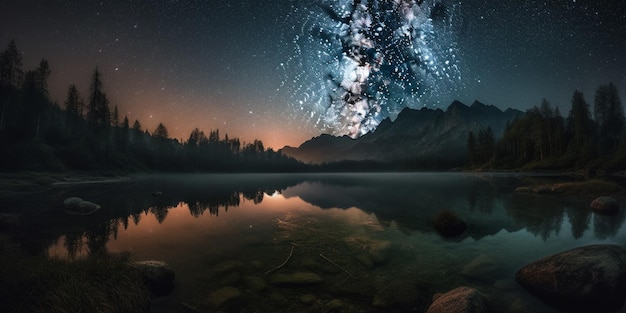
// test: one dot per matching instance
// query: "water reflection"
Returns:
(377, 226)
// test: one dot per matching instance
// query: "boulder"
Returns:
(588, 279)
(224, 296)
(157, 275)
(448, 224)
(301, 278)
(307, 298)
(605, 205)
(227, 266)
(482, 267)
(460, 300)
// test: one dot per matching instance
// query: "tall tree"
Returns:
(11, 72)
(98, 108)
(116, 117)
(609, 117)
(74, 106)
(161, 132)
(35, 90)
(581, 127)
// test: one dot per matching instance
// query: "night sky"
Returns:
(266, 69)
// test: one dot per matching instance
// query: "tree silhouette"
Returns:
(98, 108)
(161, 132)
(609, 117)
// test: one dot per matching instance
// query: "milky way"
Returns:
(363, 61)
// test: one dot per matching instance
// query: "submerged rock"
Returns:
(482, 267)
(301, 278)
(448, 224)
(587, 279)
(78, 206)
(227, 266)
(255, 283)
(224, 296)
(307, 298)
(460, 300)
(157, 275)
(605, 205)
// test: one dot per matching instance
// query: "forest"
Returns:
(36, 134)
(542, 139)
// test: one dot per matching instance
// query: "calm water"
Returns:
(229, 230)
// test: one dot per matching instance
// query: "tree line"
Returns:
(543, 139)
(38, 134)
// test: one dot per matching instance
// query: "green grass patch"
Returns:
(96, 284)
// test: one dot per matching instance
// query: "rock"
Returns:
(224, 296)
(519, 306)
(605, 205)
(307, 299)
(448, 224)
(505, 285)
(78, 206)
(9, 221)
(365, 259)
(588, 279)
(302, 278)
(396, 293)
(72, 203)
(380, 252)
(524, 189)
(460, 300)
(278, 299)
(334, 305)
(228, 279)
(228, 266)
(157, 194)
(482, 267)
(157, 275)
(255, 283)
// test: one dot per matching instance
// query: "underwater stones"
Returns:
(255, 283)
(396, 293)
(605, 205)
(460, 300)
(590, 278)
(448, 224)
(157, 194)
(227, 266)
(335, 305)
(224, 296)
(157, 275)
(308, 298)
(300, 278)
(78, 206)
(482, 267)
(228, 279)
(380, 252)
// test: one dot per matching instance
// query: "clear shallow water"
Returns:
(229, 230)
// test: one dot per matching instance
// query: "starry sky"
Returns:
(260, 69)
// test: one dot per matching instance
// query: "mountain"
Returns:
(428, 135)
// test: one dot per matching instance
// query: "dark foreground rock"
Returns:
(157, 275)
(9, 221)
(460, 300)
(585, 279)
(605, 205)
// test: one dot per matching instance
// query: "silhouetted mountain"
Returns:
(425, 134)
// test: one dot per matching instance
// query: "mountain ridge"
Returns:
(415, 134)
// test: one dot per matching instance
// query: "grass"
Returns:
(96, 284)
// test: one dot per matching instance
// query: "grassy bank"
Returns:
(96, 284)
(25, 182)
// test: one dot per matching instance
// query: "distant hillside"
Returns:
(415, 135)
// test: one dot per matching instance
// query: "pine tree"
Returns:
(74, 107)
(161, 132)
(472, 151)
(609, 117)
(98, 108)
(11, 73)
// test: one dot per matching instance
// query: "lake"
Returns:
(369, 237)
